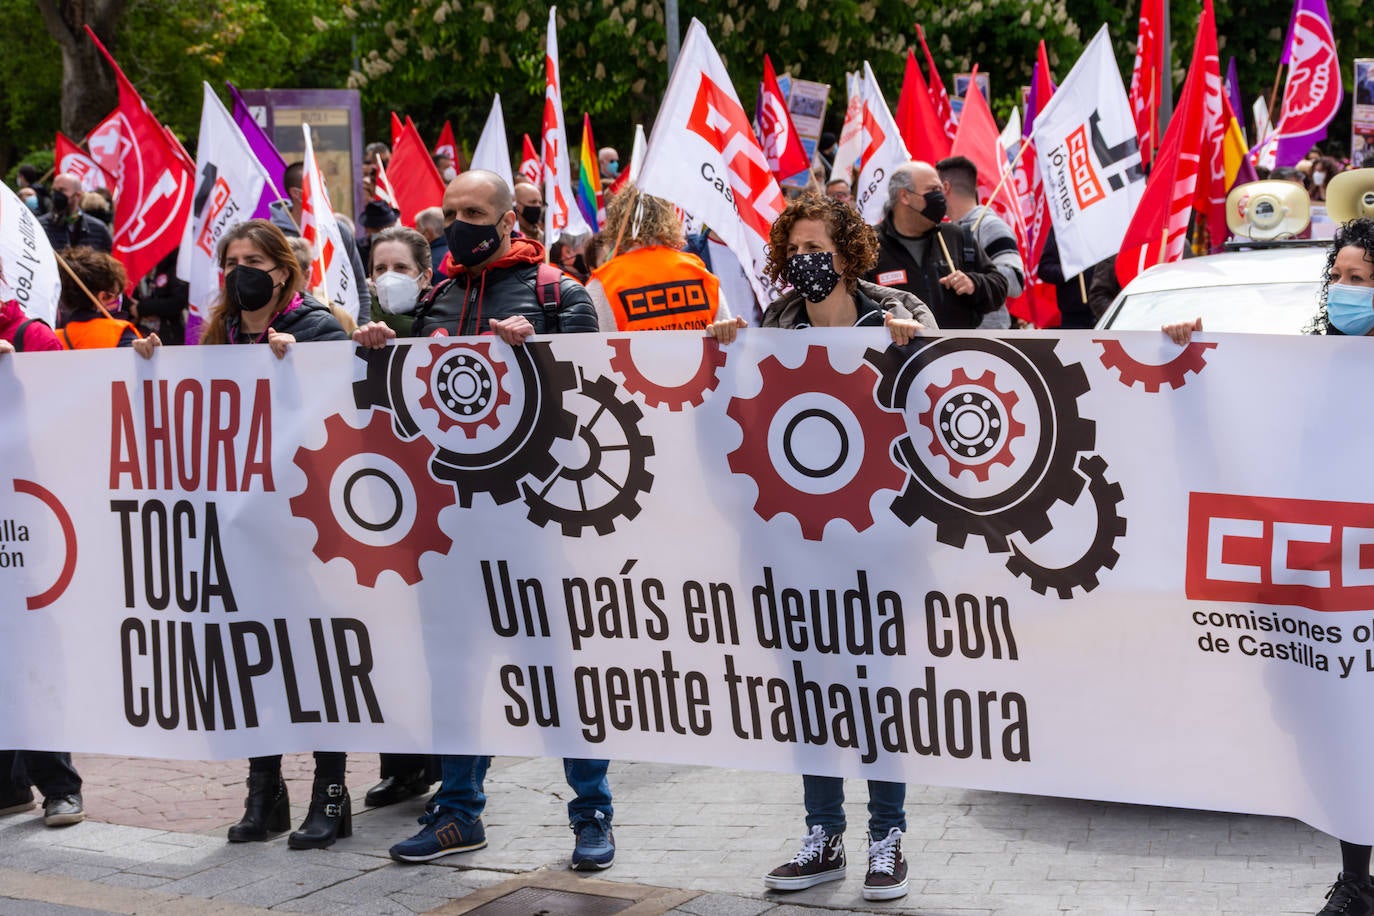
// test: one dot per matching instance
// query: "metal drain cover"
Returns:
(541, 901)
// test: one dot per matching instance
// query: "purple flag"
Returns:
(1313, 94)
(263, 149)
(1233, 93)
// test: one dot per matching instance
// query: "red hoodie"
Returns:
(37, 336)
(522, 251)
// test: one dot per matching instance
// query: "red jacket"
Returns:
(37, 335)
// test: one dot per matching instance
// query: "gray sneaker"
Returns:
(62, 810)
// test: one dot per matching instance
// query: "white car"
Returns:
(1265, 290)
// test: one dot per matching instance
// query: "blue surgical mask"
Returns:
(31, 203)
(1350, 308)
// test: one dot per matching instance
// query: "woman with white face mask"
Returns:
(401, 273)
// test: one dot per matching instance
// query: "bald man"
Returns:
(608, 161)
(912, 258)
(67, 226)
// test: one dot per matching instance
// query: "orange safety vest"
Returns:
(659, 289)
(94, 333)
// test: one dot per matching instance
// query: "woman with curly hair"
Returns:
(821, 247)
(648, 283)
(1345, 308)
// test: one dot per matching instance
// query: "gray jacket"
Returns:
(789, 310)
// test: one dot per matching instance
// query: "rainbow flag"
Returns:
(588, 190)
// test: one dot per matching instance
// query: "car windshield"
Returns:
(1264, 308)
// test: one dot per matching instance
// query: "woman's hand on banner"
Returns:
(6, 347)
(1180, 332)
(725, 330)
(145, 346)
(903, 330)
(374, 335)
(279, 342)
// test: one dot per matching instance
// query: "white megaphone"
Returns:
(1266, 210)
(1350, 195)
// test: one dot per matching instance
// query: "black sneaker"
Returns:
(1351, 895)
(821, 859)
(63, 810)
(886, 878)
(20, 799)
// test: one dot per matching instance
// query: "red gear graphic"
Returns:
(881, 427)
(1173, 373)
(1014, 429)
(342, 442)
(481, 353)
(693, 391)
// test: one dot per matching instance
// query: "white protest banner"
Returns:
(28, 268)
(493, 152)
(331, 268)
(229, 184)
(1090, 159)
(1072, 579)
(883, 150)
(704, 157)
(561, 215)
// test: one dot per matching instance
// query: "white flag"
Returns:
(229, 183)
(704, 157)
(883, 150)
(1089, 159)
(28, 269)
(1010, 137)
(850, 147)
(493, 153)
(637, 155)
(331, 268)
(561, 216)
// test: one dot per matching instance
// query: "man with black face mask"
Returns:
(67, 226)
(529, 210)
(498, 282)
(912, 258)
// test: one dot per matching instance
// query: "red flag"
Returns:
(777, 136)
(1147, 77)
(385, 193)
(920, 127)
(415, 182)
(446, 146)
(153, 199)
(939, 98)
(531, 169)
(397, 128)
(69, 159)
(1158, 229)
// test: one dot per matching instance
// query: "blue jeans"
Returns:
(824, 798)
(461, 789)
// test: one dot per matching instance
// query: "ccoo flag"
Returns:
(230, 182)
(704, 157)
(330, 268)
(1313, 93)
(561, 215)
(882, 149)
(1089, 159)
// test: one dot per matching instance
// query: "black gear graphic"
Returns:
(1023, 506)
(620, 419)
(1100, 555)
(523, 451)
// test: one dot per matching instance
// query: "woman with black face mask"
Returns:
(820, 247)
(263, 298)
(262, 301)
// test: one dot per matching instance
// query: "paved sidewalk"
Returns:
(692, 841)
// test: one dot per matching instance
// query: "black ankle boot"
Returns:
(267, 810)
(330, 816)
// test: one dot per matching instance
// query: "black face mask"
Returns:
(248, 289)
(471, 243)
(532, 215)
(813, 275)
(936, 206)
(60, 201)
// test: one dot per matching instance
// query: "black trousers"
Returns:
(329, 765)
(50, 772)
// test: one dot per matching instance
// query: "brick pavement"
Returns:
(154, 844)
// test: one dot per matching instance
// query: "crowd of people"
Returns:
(479, 264)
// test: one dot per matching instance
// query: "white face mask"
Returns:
(397, 293)
(1319, 178)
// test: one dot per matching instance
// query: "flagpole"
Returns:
(1274, 93)
(997, 190)
(84, 288)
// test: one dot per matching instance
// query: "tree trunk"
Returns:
(89, 92)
